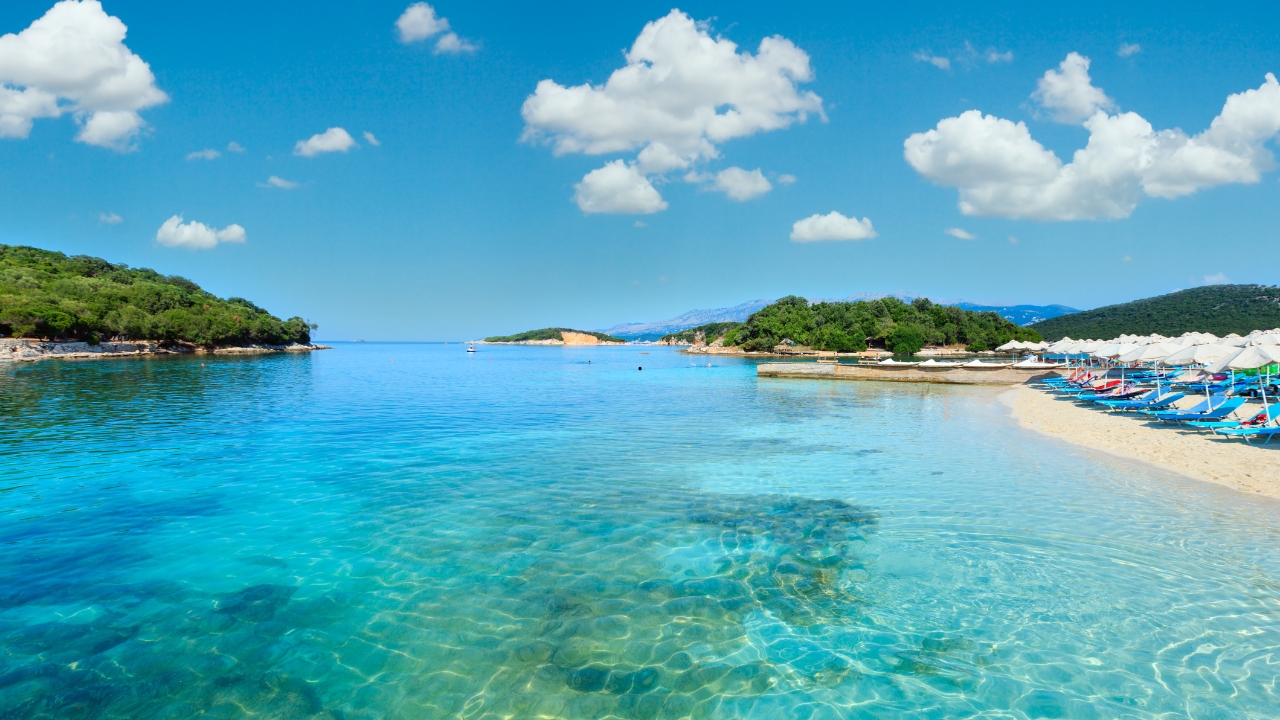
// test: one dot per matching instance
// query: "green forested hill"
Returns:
(46, 294)
(846, 326)
(1219, 309)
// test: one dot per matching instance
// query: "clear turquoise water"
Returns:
(340, 535)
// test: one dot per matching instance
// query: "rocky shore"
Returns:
(23, 350)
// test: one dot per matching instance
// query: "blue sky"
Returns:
(465, 220)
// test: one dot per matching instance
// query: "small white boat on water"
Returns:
(471, 348)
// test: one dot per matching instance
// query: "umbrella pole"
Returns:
(1263, 388)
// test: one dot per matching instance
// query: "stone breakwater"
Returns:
(23, 350)
(994, 375)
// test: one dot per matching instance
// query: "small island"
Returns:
(794, 325)
(555, 336)
(52, 305)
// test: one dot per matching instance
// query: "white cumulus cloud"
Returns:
(196, 235)
(618, 188)
(1000, 170)
(73, 59)
(335, 139)
(369, 138)
(741, 185)
(419, 22)
(110, 218)
(451, 44)
(785, 179)
(959, 233)
(681, 93)
(235, 147)
(206, 154)
(1069, 92)
(832, 226)
(1216, 279)
(998, 57)
(1129, 49)
(279, 182)
(939, 62)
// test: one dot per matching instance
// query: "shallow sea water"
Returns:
(406, 531)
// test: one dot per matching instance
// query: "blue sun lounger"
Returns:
(1116, 393)
(1217, 413)
(1203, 406)
(1140, 395)
(1246, 433)
(1257, 422)
(1159, 403)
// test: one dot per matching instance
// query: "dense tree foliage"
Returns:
(549, 334)
(849, 326)
(1218, 309)
(48, 295)
(708, 333)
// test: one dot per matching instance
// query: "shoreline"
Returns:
(1230, 462)
(24, 350)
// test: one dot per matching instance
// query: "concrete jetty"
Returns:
(993, 375)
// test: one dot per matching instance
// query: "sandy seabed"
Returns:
(1251, 468)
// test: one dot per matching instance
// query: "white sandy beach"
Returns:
(1200, 455)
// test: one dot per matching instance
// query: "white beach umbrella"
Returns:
(1199, 354)
(1147, 353)
(1011, 345)
(1113, 350)
(1263, 339)
(1248, 358)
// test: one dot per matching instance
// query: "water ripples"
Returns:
(448, 536)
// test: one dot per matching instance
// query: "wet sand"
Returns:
(1250, 468)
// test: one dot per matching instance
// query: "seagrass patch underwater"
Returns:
(537, 535)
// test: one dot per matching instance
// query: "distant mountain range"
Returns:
(1020, 314)
(693, 318)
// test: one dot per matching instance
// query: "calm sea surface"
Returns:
(406, 531)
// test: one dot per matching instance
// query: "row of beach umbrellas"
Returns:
(1233, 352)
(1258, 349)
(1019, 345)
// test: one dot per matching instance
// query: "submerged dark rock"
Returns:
(256, 603)
(588, 679)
